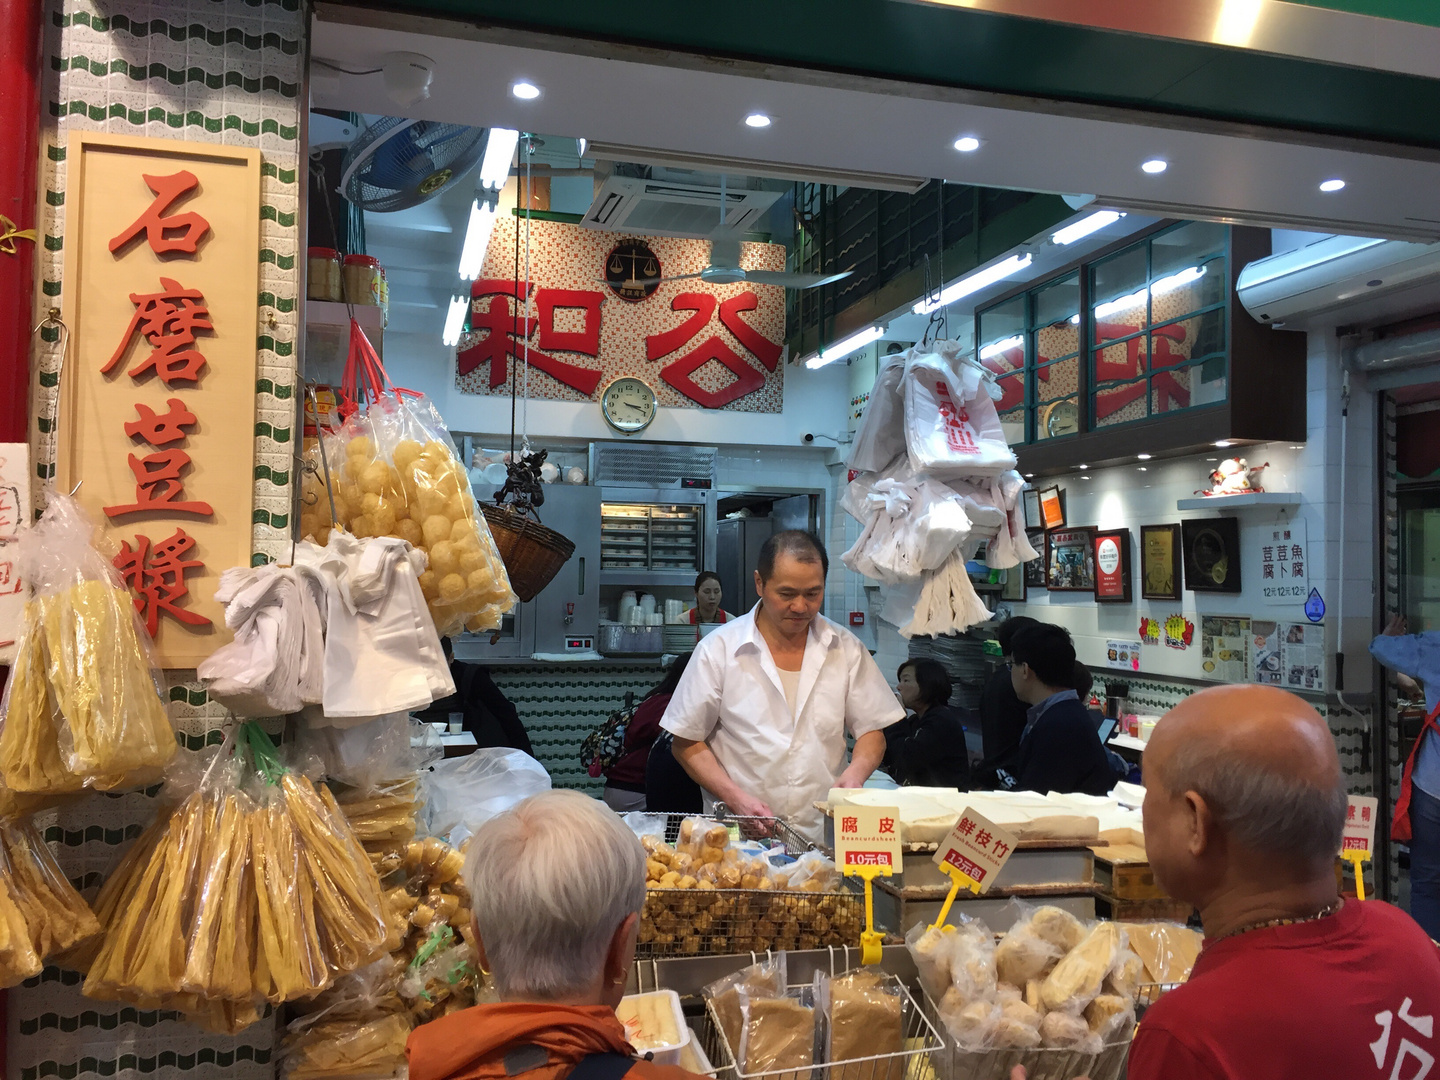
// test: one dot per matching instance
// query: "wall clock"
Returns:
(628, 405)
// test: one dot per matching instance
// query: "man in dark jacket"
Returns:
(1059, 749)
(1002, 714)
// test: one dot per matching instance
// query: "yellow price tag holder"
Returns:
(867, 846)
(972, 856)
(1357, 859)
(958, 880)
(1358, 841)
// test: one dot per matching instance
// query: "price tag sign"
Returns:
(1360, 818)
(867, 836)
(977, 848)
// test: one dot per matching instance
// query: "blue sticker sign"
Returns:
(1314, 606)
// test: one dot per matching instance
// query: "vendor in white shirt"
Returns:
(762, 711)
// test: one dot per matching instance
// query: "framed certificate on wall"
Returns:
(1160, 562)
(1112, 566)
(1052, 508)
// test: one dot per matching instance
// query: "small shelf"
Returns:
(1278, 499)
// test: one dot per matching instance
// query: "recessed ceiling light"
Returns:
(1143, 457)
(1082, 466)
(1084, 478)
(1332, 185)
(757, 120)
(1222, 443)
(525, 91)
(967, 144)
(1155, 165)
(1144, 468)
(1029, 476)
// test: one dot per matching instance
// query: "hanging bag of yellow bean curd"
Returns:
(83, 707)
(394, 472)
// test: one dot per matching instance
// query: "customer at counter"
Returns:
(558, 882)
(707, 607)
(1244, 811)
(761, 714)
(927, 748)
(625, 781)
(1060, 749)
(1002, 714)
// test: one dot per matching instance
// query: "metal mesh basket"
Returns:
(1146, 994)
(913, 1062)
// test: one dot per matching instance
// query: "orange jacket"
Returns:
(472, 1044)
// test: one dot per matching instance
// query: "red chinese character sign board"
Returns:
(162, 275)
(868, 836)
(696, 344)
(977, 848)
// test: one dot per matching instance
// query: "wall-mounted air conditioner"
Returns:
(1342, 280)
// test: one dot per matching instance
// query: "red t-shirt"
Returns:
(1355, 996)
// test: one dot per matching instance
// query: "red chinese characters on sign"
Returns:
(849, 824)
(157, 575)
(965, 866)
(506, 330)
(1171, 393)
(168, 321)
(680, 373)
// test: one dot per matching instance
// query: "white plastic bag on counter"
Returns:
(881, 433)
(951, 426)
(465, 792)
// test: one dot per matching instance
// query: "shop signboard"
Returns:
(976, 847)
(14, 505)
(868, 836)
(1283, 563)
(600, 306)
(156, 419)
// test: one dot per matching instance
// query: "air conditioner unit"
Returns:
(666, 208)
(1342, 280)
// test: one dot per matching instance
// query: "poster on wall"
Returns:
(1225, 648)
(1291, 655)
(1123, 655)
(1282, 563)
(1035, 568)
(157, 415)
(1112, 566)
(14, 503)
(602, 306)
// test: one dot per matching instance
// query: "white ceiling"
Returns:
(823, 121)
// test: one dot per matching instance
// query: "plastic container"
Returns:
(362, 279)
(322, 275)
(665, 1053)
(693, 1057)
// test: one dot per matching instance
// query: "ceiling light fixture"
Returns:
(1222, 443)
(845, 346)
(525, 91)
(973, 283)
(1144, 468)
(1160, 288)
(967, 144)
(1001, 346)
(1155, 166)
(499, 153)
(1029, 476)
(1143, 457)
(455, 319)
(1335, 184)
(477, 239)
(1078, 230)
(1082, 466)
(757, 120)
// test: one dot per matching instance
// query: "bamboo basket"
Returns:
(532, 553)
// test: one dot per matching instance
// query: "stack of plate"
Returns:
(679, 637)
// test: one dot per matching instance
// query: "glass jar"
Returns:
(362, 279)
(322, 274)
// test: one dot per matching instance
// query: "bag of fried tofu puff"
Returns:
(83, 707)
(1051, 982)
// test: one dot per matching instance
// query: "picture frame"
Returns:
(1160, 562)
(1035, 568)
(1014, 587)
(1112, 566)
(1052, 507)
(1032, 509)
(1070, 559)
(1211, 549)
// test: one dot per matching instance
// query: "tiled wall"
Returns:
(202, 71)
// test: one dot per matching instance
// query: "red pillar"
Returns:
(20, 47)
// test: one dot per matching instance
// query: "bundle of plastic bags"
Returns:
(951, 426)
(252, 889)
(911, 525)
(83, 706)
(41, 914)
(943, 601)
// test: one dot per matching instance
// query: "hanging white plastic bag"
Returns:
(951, 426)
(881, 433)
(468, 791)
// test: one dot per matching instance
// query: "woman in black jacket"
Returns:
(927, 748)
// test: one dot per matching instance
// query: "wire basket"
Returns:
(1146, 994)
(921, 1042)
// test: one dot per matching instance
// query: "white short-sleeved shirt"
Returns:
(731, 697)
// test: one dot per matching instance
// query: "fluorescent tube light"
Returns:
(477, 239)
(499, 153)
(455, 319)
(1160, 288)
(845, 346)
(973, 283)
(1003, 345)
(1078, 230)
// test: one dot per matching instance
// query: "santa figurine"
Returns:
(1235, 477)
